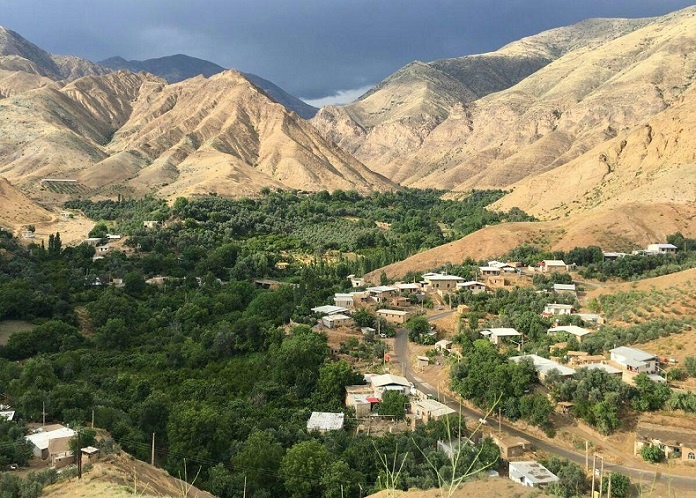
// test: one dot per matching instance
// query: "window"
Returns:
(692, 456)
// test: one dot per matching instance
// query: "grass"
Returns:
(9, 327)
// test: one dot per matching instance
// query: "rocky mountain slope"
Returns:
(391, 123)
(176, 68)
(134, 133)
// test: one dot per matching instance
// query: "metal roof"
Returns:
(501, 332)
(329, 310)
(570, 329)
(534, 472)
(324, 421)
(385, 311)
(41, 439)
(633, 354)
(601, 366)
(564, 287)
(389, 379)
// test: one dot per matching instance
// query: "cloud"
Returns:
(339, 98)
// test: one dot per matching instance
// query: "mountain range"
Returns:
(590, 122)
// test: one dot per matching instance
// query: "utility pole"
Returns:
(79, 454)
(500, 420)
(601, 478)
(245, 486)
(587, 455)
(152, 455)
(609, 487)
(594, 464)
(43, 414)
(92, 418)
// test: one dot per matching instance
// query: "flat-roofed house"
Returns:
(510, 446)
(565, 289)
(489, 271)
(543, 366)
(531, 474)
(441, 282)
(676, 442)
(381, 292)
(429, 409)
(330, 310)
(578, 332)
(473, 286)
(336, 320)
(558, 309)
(553, 266)
(389, 382)
(498, 335)
(53, 442)
(634, 360)
(604, 367)
(351, 300)
(394, 316)
(662, 248)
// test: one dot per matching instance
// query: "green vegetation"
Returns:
(572, 480)
(652, 454)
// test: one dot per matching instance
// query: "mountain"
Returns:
(176, 68)
(18, 210)
(134, 133)
(172, 68)
(19, 54)
(389, 124)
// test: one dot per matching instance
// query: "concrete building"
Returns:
(604, 367)
(388, 382)
(473, 286)
(552, 309)
(565, 289)
(336, 320)
(661, 249)
(50, 442)
(553, 266)
(441, 282)
(498, 335)
(394, 316)
(510, 446)
(531, 474)
(543, 366)
(429, 409)
(330, 310)
(635, 360)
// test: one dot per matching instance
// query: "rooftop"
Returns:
(544, 365)
(324, 421)
(553, 262)
(440, 276)
(501, 332)
(389, 379)
(564, 287)
(570, 329)
(329, 310)
(434, 408)
(382, 288)
(673, 436)
(336, 318)
(632, 354)
(470, 283)
(41, 439)
(385, 311)
(602, 366)
(534, 472)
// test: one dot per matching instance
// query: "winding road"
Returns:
(401, 358)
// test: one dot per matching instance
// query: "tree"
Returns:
(302, 468)
(99, 230)
(620, 485)
(340, 480)
(417, 326)
(333, 379)
(690, 365)
(651, 395)
(393, 403)
(259, 460)
(87, 438)
(652, 454)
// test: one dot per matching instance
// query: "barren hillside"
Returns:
(136, 134)
(18, 209)
(390, 123)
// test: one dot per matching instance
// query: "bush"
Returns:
(652, 454)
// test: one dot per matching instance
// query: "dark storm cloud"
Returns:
(312, 48)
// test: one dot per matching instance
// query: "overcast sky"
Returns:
(312, 48)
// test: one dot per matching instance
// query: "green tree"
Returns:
(651, 395)
(88, 437)
(259, 461)
(302, 468)
(333, 379)
(339, 480)
(620, 485)
(652, 454)
(690, 365)
(393, 403)
(417, 326)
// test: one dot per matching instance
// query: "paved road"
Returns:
(636, 475)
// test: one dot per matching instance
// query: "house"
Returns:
(394, 316)
(361, 398)
(558, 309)
(150, 224)
(430, 409)
(92, 241)
(103, 249)
(502, 266)
(497, 335)
(381, 292)
(7, 414)
(329, 310)
(407, 288)
(531, 474)
(473, 286)
(52, 442)
(613, 256)
(553, 266)
(676, 442)
(355, 281)
(590, 318)
(336, 320)
(325, 422)
(488, 271)
(388, 382)
(583, 358)
(282, 265)
(661, 249)
(351, 300)
(441, 282)
(574, 330)
(399, 301)
(543, 366)
(634, 360)
(113, 236)
(603, 366)
(422, 362)
(510, 446)
(89, 454)
(443, 344)
(28, 234)
(497, 281)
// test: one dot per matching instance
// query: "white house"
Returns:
(531, 474)
(429, 409)
(573, 330)
(543, 366)
(356, 281)
(47, 443)
(324, 422)
(558, 309)
(381, 291)
(604, 367)
(634, 360)
(564, 289)
(496, 335)
(473, 286)
(661, 249)
(350, 300)
(394, 316)
(336, 320)
(489, 270)
(388, 382)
